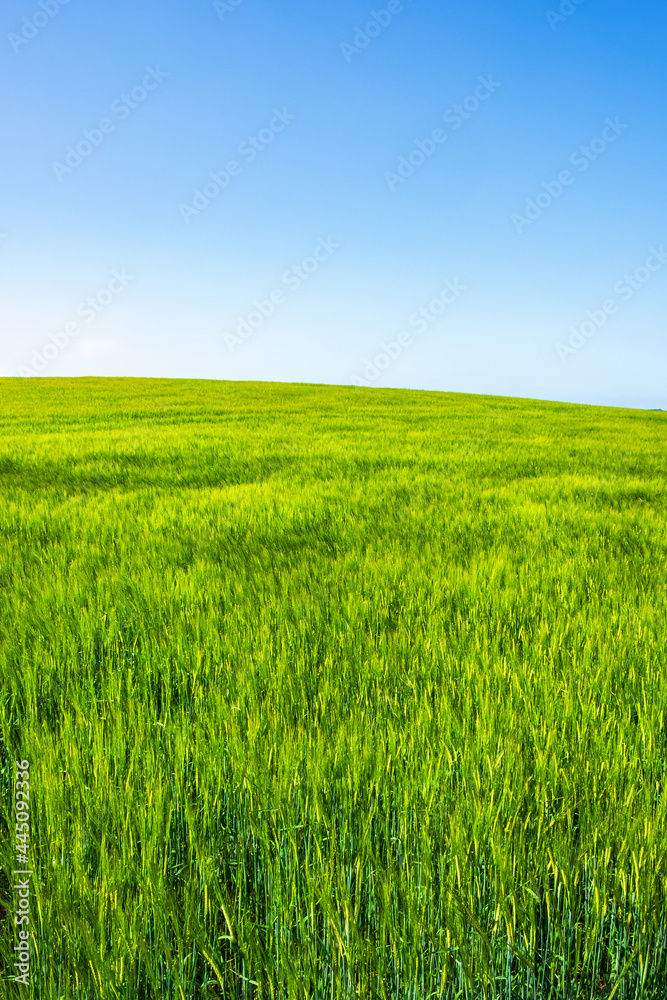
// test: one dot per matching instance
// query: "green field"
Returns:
(333, 692)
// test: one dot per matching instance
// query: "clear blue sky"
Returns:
(336, 212)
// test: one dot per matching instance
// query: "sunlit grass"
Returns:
(334, 692)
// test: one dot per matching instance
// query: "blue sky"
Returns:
(369, 159)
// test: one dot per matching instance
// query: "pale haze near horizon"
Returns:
(291, 192)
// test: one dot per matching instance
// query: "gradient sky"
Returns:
(349, 115)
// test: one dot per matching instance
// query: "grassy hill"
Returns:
(332, 692)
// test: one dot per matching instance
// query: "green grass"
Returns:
(332, 692)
